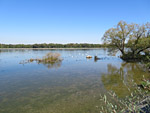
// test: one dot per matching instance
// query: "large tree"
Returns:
(132, 40)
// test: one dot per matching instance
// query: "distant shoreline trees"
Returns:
(52, 45)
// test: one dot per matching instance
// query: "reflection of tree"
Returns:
(116, 78)
(13, 50)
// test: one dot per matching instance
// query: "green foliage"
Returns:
(147, 61)
(132, 40)
(146, 84)
(51, 45)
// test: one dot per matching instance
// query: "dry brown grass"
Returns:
(48, 58)
(51, 58)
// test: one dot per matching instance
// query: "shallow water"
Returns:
(71, 86)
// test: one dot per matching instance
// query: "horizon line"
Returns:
(47, 43)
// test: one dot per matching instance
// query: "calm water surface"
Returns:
(71, 86)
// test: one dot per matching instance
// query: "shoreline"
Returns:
(51, 48)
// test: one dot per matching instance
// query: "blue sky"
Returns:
(66, 21)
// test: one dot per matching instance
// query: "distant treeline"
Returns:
(52, 45)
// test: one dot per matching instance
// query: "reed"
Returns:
(137, 102)
(49, 58)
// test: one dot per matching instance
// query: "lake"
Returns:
(71, 86)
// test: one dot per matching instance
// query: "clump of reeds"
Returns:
(50, 58)
(137, 102)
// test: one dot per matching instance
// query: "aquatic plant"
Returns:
(145, 84)
(137, 102)
(50, 60)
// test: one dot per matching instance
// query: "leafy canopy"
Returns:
(130, 39)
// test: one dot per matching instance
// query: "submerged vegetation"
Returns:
(75, 88)
(139, 99)
(137, 102)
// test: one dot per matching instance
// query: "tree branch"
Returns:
(143, 49)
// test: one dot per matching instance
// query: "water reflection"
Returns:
(119, 79)
(13, 50)
(52, 65)
(49, 65)
(73, 88)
